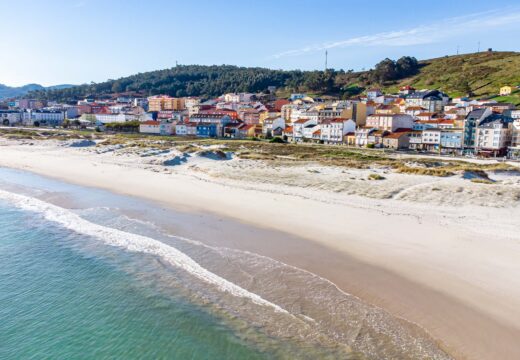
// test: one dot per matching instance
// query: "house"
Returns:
(414, 110)
(308, 130)
(388, 109)
(362, 134)
(493, 136)
(431, 100)
(43, 117)
(397, 140)
(165, 102)
(514, 149)
(389, 122)
(431, 139)
(471, 122)
(247, 131)
(406, 90)
(287, 133)
(505, 90)
(376, 137)
(426, 115)
(181, 129)
(332, 131)
(415, 140)
(373, 93)
(316, 135)
(350, 139)
(150, 127)
(299, 126)
(273, 126)
(207, 130)
(10, 117)
(452, 141)
(166, 128)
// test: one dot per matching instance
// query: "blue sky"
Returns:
(78, 41)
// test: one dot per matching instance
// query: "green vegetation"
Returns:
(283, 153)
(479, 74)
(482, 181)
(376, 177)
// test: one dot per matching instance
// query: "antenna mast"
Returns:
(326, 58)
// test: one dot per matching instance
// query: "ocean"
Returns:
(83, 274)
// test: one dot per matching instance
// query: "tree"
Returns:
(407, 66)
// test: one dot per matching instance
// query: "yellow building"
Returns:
(505, 90)
(164, 102)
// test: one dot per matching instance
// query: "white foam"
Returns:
(131, 242)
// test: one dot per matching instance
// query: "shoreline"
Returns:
(345, 247)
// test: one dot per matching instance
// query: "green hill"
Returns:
(479, 75)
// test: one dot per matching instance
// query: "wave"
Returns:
(132, 242)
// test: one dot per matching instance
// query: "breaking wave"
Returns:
(131, 242)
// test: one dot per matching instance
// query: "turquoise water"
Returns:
(60, 302)
(85, 274)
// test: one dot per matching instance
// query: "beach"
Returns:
(441, 253)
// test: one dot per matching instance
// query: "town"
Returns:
(426, 121)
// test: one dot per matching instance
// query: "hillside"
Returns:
(12, 92)
(478, 74)
(481, 74)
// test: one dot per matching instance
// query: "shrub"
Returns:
(277, 140)
(371, 146)
(376, 177)
(482, 181)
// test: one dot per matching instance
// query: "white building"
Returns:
(299, 126)
(45, 117)
(150, 127)
(390, 122)
(10, 117)
(332, 131)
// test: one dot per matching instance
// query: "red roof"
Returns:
(151, 122)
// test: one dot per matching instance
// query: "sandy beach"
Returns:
(443, 253)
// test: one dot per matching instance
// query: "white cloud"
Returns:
(421, 35)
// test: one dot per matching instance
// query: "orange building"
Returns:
(165, 102)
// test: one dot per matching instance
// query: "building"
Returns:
(299, 126)
(514, 149)
(397, 140)
(431, 100)
(505, 90)
(109, 118)
(10, 117)
(389, 122)
(493, 136)
(471, 122)
(333, 131)
(431, 139)
(150, 127)
(44, 117)
(207, 130)
(273, 126)
(372, 94)
(452, 141)
(362, 135)
(164, 102)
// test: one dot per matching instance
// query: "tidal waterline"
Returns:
(317, 321)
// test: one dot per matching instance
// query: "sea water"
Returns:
(93, 282)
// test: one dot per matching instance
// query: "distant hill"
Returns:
(481, 74)
(12, 92)
(478, 74)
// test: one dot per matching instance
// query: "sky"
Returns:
(78, 41)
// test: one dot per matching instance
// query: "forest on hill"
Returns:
(479, 74)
